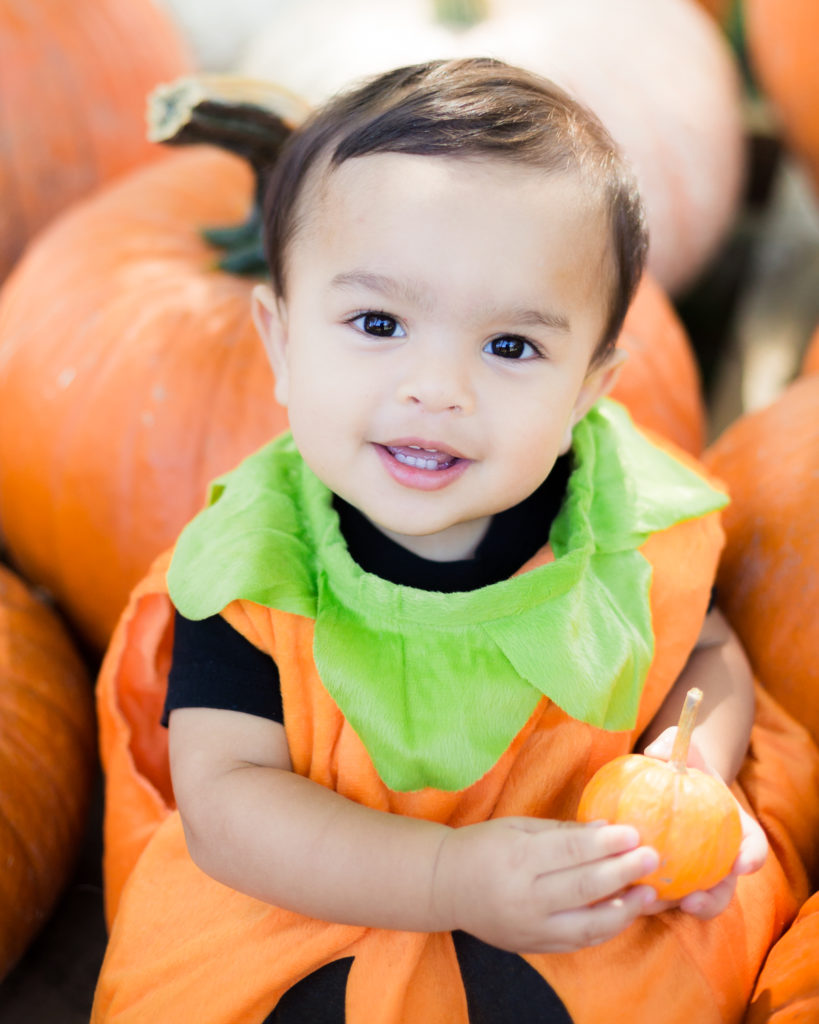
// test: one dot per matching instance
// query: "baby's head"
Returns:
(474, 108)
(453, 247)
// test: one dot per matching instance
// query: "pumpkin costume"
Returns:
(501, 701)
(787, 991)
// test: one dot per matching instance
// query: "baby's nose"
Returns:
(439, 383)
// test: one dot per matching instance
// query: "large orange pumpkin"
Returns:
(768, 581)
(47, 758)
(73, 77)
(131, 375)
(783, 44)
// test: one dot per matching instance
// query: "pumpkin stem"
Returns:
(460, 14)
(685, 726)
(245, 116)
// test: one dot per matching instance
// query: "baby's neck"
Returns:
(454, 544)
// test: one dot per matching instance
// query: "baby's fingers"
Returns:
(754, 849)
(711, 902)
(584, 884)
(560, 845)
(569, 930)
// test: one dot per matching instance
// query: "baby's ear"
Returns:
(599, 380)
(602, 377)
(269, 318)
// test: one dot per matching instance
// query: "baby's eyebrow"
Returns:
(537, 318)
(386, 286)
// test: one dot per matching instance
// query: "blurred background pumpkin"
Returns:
(783, 45)
(73, 77)
(47, 763)
(768, 581)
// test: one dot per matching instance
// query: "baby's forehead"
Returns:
(328, 184)
(475, 208)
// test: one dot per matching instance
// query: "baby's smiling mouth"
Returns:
(422, 458)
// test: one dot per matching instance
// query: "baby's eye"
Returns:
(381, 325)
(510, 346)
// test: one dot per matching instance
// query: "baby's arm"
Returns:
(719, 667)
(518, 883)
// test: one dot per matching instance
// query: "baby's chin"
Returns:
(450, 543)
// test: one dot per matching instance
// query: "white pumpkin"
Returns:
(658, 73)
(217, 31)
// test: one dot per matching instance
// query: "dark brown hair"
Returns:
(474, 107)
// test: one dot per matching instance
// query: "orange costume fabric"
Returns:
(787, 991)
(184, 947)
(664, 969)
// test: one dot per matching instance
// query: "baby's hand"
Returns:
(533, 886)
(752, 852)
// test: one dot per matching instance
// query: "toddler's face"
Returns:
(434, 345)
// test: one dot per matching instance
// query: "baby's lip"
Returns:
(431, 447)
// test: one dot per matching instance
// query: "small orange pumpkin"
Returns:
(47, 759)
(687, 816)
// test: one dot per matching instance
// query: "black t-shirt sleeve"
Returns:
(214, 666)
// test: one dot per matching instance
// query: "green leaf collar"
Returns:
(437, 685)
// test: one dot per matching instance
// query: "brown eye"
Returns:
(379, 324)
(509, 346)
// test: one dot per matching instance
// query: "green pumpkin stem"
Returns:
(685, 726)
(460, 13)
(248, 117)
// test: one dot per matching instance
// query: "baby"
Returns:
(408, 631)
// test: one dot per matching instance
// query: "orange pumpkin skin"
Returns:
(768, 579)
(132, 376)
(74, 78)
(782, 44)
(47, 759)
(688, 817)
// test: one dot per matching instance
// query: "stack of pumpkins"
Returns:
(73, 79)
(130, 373)
(769, 578)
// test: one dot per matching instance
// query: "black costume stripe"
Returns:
(502, 988)
(317, 999)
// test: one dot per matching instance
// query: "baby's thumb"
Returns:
(661, 746)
